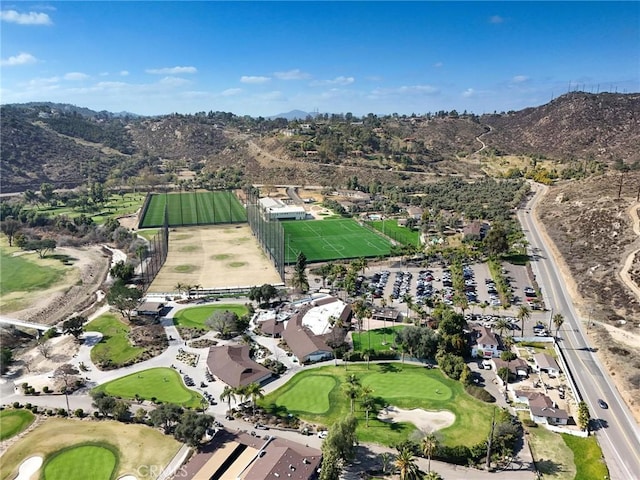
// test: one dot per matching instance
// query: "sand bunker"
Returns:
(27, 468)
(425, 420)
(128, 477)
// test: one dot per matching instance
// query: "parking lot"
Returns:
(435, 282)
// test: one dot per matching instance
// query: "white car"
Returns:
(323, 434)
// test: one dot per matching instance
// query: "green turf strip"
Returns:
(115, 344)
(162, 383)
(332, 239)
(197, 316)
(587, 457)
(95, 462)
(310, 395)
(12, 422)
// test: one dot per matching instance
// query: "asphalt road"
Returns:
(616, 429)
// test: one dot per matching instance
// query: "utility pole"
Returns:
(493, 424)
(550, 318)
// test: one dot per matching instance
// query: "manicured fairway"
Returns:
(193, 208)
(310, 395)
(196, 316)
(401, 385)
(164, 384)
(80, 462)
(114, 345)
(400, 234)
(27, 272)
(332, 239)
(12, 422)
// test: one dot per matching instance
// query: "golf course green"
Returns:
(320, 396)
(163, 384)
(79, 462)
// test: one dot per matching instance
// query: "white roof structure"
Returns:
(276, 208)
(317, 318)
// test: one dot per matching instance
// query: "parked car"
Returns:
(323, 434)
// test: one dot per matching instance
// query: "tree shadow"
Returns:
(549, 467)
(388, 368)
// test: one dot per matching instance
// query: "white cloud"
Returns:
(496, 19)
(31, 18)
(254, 79)
(20, 59)
(229, 92)
(174, 81)
(519, 79)
(124, 73)
(76, 76)
(171, 70)
(341, 80)
(295, 74)
(406, 89)
(469, 92)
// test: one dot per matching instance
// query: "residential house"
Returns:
(518, 366)
(415, 212)
(474, 231)
(485, 344)
(232, 365)
(149, 309)
(544, 410)
(546, 363)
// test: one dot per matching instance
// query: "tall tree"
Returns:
(558, 320)
(74, 326)
(255, 391)
(124, 299)
(166, 416)
(496, 241)
(228, 395)
(406, 464)
(428, 446)
(10, 227)
(524, 314)
(103, 402)
(583, 416)
(299, 280)
(192, 427)
(67, 373)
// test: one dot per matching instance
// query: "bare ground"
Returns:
(592, 236)
(59, 302)
(217, 256)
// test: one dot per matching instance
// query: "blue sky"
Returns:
(264, 58)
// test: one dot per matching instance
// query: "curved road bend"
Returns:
(617, 431)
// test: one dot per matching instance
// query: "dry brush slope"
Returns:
(593, 232)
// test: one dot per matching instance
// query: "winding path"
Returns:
(625, 274)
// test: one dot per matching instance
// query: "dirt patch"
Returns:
(56, 304)
(213, 257)
(424, 420)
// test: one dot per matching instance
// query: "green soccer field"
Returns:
(332, 239)
(193, 208)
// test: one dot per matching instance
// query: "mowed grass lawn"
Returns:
(114, 345)
(12, 422)
(161, 383)
(196, 316)
(587, 457)
(400, 234)
(137, 445)
(332, 239)
(381, 339)
(79, 462)
(194, 208)
(27, 272)
(318, 395)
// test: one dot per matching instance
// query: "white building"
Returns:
(275, 209)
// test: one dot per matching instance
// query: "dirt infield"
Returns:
(216, 256)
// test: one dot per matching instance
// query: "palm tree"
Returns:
(228, 394)
(558, 320)
(367, 355)
(523, 314)
(385, 459)
(179, 287)
(255, 391)
(429, 444)
(406, 463)
(351, 390)
(432, 476)
(408, 299)
(501, 325)
(367, 403)
(383, 303)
